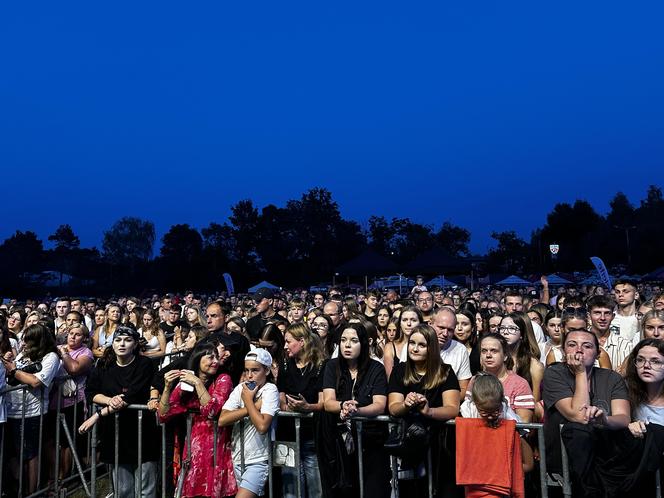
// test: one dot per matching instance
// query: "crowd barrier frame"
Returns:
(79, 470)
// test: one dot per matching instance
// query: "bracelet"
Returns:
(153, 399)
(99, 412)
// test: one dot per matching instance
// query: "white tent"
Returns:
(264, 283)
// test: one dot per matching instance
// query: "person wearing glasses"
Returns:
(645, 383)
(425, 305)
(523, 349)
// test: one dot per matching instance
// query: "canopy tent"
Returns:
(368, 263)
(557, 280)
(439, 281)
(392, 281)
(591, 280)
(264, 283)
(513, 280)
(655, 275)
(633, 278)
(319, 288)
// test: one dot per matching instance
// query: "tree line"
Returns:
(305, 240)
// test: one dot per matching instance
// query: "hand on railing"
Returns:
(348, 409)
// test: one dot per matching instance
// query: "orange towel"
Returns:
(488, 461)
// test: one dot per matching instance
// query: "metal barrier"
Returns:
(79, 469)
(139, 409)
(61, 428)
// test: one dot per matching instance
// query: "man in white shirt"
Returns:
(600, 310)
(452, 352)
(625, 319)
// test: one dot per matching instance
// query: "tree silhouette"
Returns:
(129, 240)
(65, 238)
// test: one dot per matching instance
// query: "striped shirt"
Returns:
(518, 394)
(618, 348)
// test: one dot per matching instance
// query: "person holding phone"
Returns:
(258, 399)
(202, 390)
(300, 388)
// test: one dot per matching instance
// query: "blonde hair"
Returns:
(312, 350)
(487, 389)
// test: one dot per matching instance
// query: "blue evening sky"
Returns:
(481, 113)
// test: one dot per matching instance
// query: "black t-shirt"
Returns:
(134, 382)
(372, 383)
(169, 330)
(309, 383)
(434, 396)
(255, 324)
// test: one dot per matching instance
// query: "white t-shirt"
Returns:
(456, 355)
(50, 366)
(539, 333)
(628, 326)
(256, 446)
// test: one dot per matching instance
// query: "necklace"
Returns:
(126, 364)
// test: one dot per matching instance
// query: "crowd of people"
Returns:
(587, 359)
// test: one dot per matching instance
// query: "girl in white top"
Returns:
(258, 399)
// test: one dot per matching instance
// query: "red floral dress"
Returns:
(203, 479)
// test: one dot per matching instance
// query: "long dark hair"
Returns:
(524, 351)
(362, 361)
(638, 393)
(38, 342)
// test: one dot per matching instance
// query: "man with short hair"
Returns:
(625, 320)
(600, 310)
(215, 318)
(425, 304)
(438, 296)
(77, 305)
(371, 303)
(392, 296)
(62, 307)
(166, 303)
(513, 302)
(188, 298)
(264, 300)
(452, 352)
(172, 321)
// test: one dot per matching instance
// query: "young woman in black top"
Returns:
(122, 378)
(354, 385)
(426, 390)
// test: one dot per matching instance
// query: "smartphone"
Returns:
(185, 386)
(251, 385)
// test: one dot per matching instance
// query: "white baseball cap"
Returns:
(261, 356)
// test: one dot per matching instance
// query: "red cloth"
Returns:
(488, 461)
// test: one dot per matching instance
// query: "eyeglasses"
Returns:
(654, 363)
(511, 330)
(425, 300)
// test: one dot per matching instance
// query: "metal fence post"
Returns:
(116, 463)
(75, 457)
(542, 463)
(93, 462)
(22, 443)
(57, 440)
(567, 492)
(298, 458)
(140, 453)
(360, 457)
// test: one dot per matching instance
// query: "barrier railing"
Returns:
(54, 485)
(80, 468)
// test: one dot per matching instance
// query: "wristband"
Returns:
(99, 410)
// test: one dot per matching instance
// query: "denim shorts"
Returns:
(254, 477)
(31, 440)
